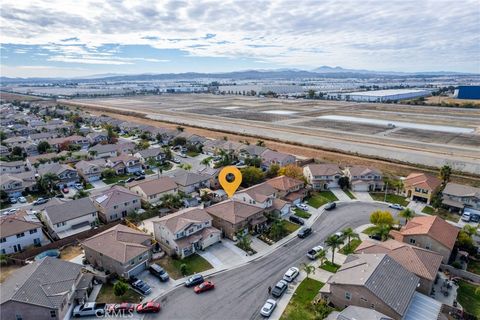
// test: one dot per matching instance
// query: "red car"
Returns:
(205, 286)
(65, 190)
(123, 308)
(148, 307)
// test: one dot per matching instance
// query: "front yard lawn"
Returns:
(195, 264)
(428, 210)
(149, 171)
(88, 186)
(349, 248)
(301, 213)
(318, 199)
(300, 306)
(391, 198)
(473, 266)
(330, 267)
(349, 194)
(468, 298)
(106, 295)
(192, 154)
(290, 226)
(442, 213)
(117, 178)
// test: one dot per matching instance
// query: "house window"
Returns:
(126, 204)
(21, 235)
(18, 317)
(33, 231)
(348, 296)
(115, 207)
(2, 240)
(36, 241)
(53, 313)
(3, 251)
(93, 214)
(135, 201)
(412, 241)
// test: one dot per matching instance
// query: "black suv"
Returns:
(296, 219)
(159, 272)
(194, 280)
(330, 206)
(304, 232)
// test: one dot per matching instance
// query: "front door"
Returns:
(17, 248)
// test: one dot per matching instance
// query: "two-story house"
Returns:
(189, 182)
(151, 191)
(46, 289)
(67, 176)
(19, 232)
(97, 137)
(260, 195)
(120, 250)
(103, 151)
(289, 189)
(124, 163)
(457, 197)
(322, 176)
(116, 203)
(421, 186)
(270, 157)
(90, 170)
(250, 151)
(363, 178)
(69, 218)
(185, 232)
(150, 155)
(12, 185)
(12, 167)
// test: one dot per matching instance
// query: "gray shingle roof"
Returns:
(70, 210)
(44, 283)
(186, 178)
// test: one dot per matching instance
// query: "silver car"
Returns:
(268, 308)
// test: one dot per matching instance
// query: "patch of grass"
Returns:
(428, 210)
(468, 298)
(368, 230)
(301, 213)
(391, 198)
(349, 248)
(195, 264)
(473, 266)
(442, 213)
(300, 306)
(88, 186)
(192, 153)
(149, 171)
(106, 295)
(330, 267)
(290, 226)
(349, 194)
(165, 166)
(117, 178)
(318, 199)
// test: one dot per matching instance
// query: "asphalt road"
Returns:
(239, 293)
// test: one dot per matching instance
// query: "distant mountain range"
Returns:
(276, 74)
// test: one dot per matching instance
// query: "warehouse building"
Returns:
(467, 92)
(385, 95)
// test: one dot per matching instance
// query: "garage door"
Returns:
(136, 270)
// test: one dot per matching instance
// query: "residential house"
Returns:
(124, 163)
(457, 197)
(19, 232)
(46, 289)
(90, 170)
(30, 149)
(4, 151)
(16, 141)
(250, 151)
(12, 167)
(125, 147)
(213, 173)
(103, 151)
(373, 281)
(233, 216)
(151, 191)
(322, 176)
(260, 195)
(11, 185)
(357, 313)
(428, 232)
(230, 147)
(34, 162)
(185, 232)
(116, 203)
(289, 189)
(97, 137)
(421, 262)
(57, 143)
(69, 218)
(363, 178)
(150, 155)
(421, 186)
(270, 157)
(211, 147)
(120, 250)
(189, 182)
(67, 176)
(42, 136)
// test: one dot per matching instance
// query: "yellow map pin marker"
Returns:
(230, 187)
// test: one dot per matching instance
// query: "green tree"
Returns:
(47, 181)
(81, 194)
(172, 201)
(277, 230)
(343, 182)
(292, 171)
(272, 171)
(260, 143)
(334, 242)
(407, 213)
(381, 230)
(251, 176)
(185, 166)
(168, 153)
(184, 269)
(206, 161)
(109, 173)
(3, 259)
(111, 134)
(17, 152)
(179, 141)
(309, 269)
(244, 241)
(349, 234)
(43, 147)
(120, 288)
(93, 153)
(379, 217)
(470, 230)
(143, 144)
(321, 256)
(311, 94)
(445, 173)
(253, 162)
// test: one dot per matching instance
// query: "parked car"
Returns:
(296, 219)
(375, 237)
(140, 178)
(60, 195)
(395, 206)
(466, 216)
(279, 288)
(22, 199)
(304, 232)
(10, 211)
(194, 280)
(78, 186)
(121, 308)
(137, 173)
(40, 201)
(330, 206)
(205, 286)
(12, 200)
(183, 155)
(131, 179)
(302, 206)
(475, 218)
(312, 253)
(142, 287)
(65, 190)
(291, 274)
(159, 272)
(89, 309)
(268, 308)
(176, 160)
(148, 307)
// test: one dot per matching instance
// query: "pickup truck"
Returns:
(89, 309)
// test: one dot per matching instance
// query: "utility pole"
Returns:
(386, 187)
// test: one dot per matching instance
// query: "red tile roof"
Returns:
(422, 180)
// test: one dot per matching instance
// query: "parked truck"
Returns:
(89, 309)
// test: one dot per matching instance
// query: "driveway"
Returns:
(98, 184)
(223, 255)
(363, 196)
(416, 206)
(340, 194)
(157, 286)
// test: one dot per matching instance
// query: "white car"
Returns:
(9, 212)
(312, 253)
(22, 200)
(291, 274)
(395, 206)
(268, 308)
(302, 206)
(78, 186)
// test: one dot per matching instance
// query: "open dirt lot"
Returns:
(295, 121)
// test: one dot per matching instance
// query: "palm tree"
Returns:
(470, 230)
(206, 161)
(407, 213)
(381, 230)
(277, 230)
(260, 143)
(171, 201)
(349, 234)
(93, 153)
(445, 173)
(47, 181)
(81, 194)
(322, 256)
(333, 242)
(308, 269)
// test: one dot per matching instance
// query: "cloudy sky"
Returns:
(77, 38)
